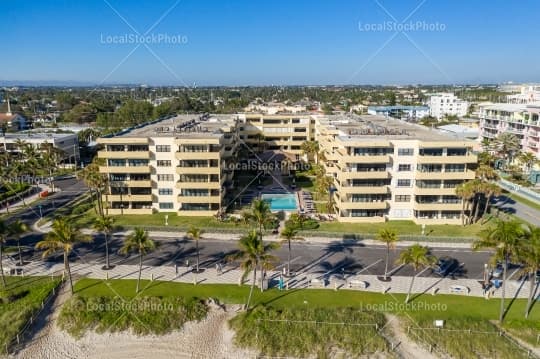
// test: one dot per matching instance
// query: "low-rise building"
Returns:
(391, 170)
(400, 112)
(521, 120)
(67, 143)
(382, 168)
(447, 104)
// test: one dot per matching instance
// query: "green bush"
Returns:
(302, 332)
(483, 340)
(21, 300)
(145, 315)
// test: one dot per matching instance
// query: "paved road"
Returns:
(315, 258)
(70, 189)
(509, 205)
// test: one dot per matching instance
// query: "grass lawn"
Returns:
(423, 308)
(158, 219)
(19, 301)
(402, 228)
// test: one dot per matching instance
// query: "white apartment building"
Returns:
(442, 104)
(521, 120)
(68, 143)
(527, 94)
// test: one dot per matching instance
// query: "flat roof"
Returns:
(193, 126)
(26, 136)
(354, 127)
(397, 107)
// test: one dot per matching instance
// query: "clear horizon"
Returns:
(190, 43)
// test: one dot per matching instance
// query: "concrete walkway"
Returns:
(232, 275)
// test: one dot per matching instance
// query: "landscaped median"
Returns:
(306, 322)
(19, 301)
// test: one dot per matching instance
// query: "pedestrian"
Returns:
(217, 268)
(220, 268)
(176, 268)
(187, 263)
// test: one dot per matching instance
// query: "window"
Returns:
(166, 177)
(403, 198)
(405, 151)
(165, 191)
(404, 168)
(164, 163)
(404, 183)
(455, 168)
(163, 148)
(166, 205)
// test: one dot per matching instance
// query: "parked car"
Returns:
(497, 272)
(445, 265)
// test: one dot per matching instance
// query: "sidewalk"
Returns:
(27, 200)
(273, 238)
(232, 275)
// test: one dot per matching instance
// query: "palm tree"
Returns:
(504, 238)
(289, 233)
(507, 145)
(16, 229)
(3, 237)
(486, 173)
(311, 148)
(195, 233)
(529, 256)
(492, 190)
(389, 237)
(260, 215)
(63, 237)
(465, 192)
(105, 225)
(417, 256)
(528, 159)
(254, 254)
(139, 242)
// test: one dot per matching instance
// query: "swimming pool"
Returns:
(280, 202)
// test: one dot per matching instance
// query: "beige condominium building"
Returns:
(277, 132)
(390, 170)
(383, 169)
(175, 165)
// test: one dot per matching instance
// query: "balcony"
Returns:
(437, 206)
(198, 170)
(434, 191)
(197, 155)
(366, 189)
(196, 185)
(447, 159)
(364, 205)
(344, 175)
(136, 155)
(124, 169)
(365, 159)
(128, 198)
(199, 199)
(118, 211)
(468, 174)
(129, 183)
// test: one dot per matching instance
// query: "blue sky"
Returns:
(271, 42)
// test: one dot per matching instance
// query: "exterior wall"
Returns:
(376, 178)
(523, 121)
(68, 143)
(373, 187)
(447, 104)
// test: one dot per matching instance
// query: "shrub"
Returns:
(145, 315)
(303, 332)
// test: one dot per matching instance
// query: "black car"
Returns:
(445, 265)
